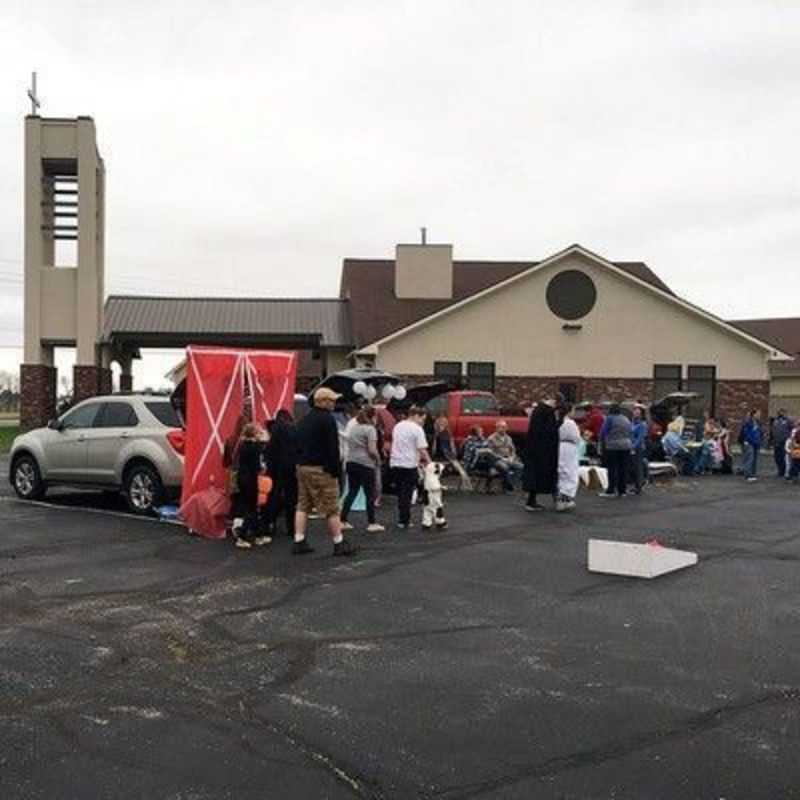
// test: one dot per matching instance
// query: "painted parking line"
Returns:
(83, 509)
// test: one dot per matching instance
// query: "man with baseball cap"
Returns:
(318, 470)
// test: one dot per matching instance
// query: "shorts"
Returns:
(316, 489)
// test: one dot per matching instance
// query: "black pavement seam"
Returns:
(700, 723)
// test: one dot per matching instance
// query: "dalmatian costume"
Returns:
(434, 507)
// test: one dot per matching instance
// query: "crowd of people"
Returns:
(322, 466)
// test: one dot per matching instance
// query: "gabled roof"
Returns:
(783, 332)
(376, 312)
(130, 316)
(617, 268)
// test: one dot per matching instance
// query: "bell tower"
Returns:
(64, 202)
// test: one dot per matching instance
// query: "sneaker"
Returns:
(346, 526)
(301, 548)
(536, 507)
(344, 548)
(242, 544)
(426, 527)
(375, 528)
(404, 526)
(752, 479)
(606, 494)
(441, 525)
(260, 541)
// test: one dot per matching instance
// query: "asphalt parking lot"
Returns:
(481, 662)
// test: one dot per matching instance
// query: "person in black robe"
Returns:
(541, 454)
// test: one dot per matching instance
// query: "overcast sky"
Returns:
(251, 146)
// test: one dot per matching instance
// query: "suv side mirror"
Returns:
(55, 425)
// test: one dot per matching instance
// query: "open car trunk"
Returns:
(419, 395)
(342, 382)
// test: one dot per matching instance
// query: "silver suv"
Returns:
(129, 443)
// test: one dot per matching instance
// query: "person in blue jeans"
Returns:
(638, 441)
(751, 438)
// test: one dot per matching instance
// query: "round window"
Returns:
(571, 294)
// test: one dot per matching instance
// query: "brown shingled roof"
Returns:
(375, 312)
(782, 332)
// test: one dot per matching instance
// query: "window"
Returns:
(82, 417)
(702, 380)
(479, 405)
(437, 406)
(449, 372)
(480, 376)
(164, 413)
(666, 379)
(571, 295)
(117, 415)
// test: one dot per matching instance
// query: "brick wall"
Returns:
(89, 381)
(37, 395)
(734, 397)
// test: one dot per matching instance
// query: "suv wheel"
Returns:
(27, 479)
(142, 488)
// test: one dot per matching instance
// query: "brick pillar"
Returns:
(125, 382)
(37, 395)
(89, 381)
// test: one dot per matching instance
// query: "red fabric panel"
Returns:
(205, 513)
(218, 381)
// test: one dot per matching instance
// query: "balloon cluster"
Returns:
(388, 392)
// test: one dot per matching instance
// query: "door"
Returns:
(66, 448)
(112, 428)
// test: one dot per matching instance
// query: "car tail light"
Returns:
(177, 439)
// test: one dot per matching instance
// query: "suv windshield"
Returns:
(163, 411)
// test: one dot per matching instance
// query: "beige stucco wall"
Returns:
(784, 392)
(59, 139)
(336, 359)
(424, 271)
(785, 386)
(629, 330)
(59, 306)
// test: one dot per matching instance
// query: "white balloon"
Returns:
(400, 393)
(359, 387)
(388, 392)
(371, 392)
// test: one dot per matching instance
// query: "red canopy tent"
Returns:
(221, 385)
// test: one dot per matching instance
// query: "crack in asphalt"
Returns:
(700, 723)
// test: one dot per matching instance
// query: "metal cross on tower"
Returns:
(34, 98)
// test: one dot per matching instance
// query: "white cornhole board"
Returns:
(636, 560)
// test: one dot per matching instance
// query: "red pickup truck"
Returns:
(467, 408)
(463, 409)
